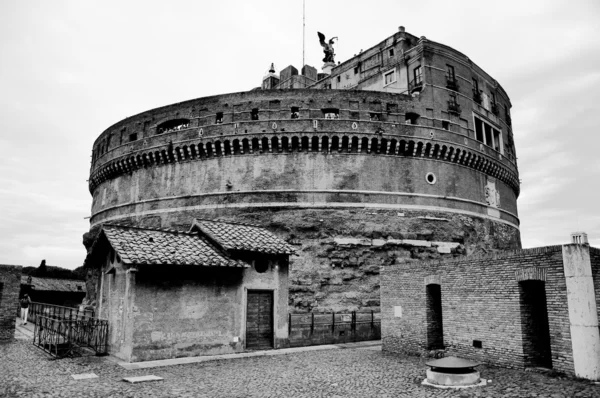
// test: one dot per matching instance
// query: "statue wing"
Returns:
(322, 39)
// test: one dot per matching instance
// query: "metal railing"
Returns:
(415, 85)
(56, 311)
(451, 82)
(454, 107)
(327, 328)
(61, 337)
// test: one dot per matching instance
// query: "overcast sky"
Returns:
(70, 69)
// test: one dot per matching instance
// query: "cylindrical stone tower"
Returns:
(404, 152)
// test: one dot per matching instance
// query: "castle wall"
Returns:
(319, 166)
(484, 300)
(10, 284)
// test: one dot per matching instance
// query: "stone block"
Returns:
(415, 242)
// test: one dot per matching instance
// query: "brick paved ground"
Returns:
(26, 371)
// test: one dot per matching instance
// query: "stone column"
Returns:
(583, 316)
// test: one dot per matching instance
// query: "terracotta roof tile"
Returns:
(234, 236)
(147, 246)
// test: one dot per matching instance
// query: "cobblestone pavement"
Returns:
(26, 371)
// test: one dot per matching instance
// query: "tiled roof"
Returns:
(147, 246)
(234, 236)
(54, 285)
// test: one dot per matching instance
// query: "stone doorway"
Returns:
(435, 327)
(259, 320)
(534, 324)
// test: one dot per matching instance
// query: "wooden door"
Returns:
(259, 320)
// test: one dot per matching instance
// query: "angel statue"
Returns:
(327, 48)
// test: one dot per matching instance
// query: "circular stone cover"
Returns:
(452, 363)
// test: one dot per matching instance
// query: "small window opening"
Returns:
(389, 77)
(331, 113)
(254, 114)
(219, 118)
(391, 52)
(445, 125)
(431, 179)
(172, 125)
(392, 108)
(295, 112)
(411, 118)
(477, 344)
(354, 115)
(338, 79)
(375, 116)
(261, 265)
(132, 137)
(356, 70)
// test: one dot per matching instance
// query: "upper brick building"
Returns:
(403, 151)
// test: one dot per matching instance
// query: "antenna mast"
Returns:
(303, 24)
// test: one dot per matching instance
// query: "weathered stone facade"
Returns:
(330, 169)
(532, 307)
(10, 284)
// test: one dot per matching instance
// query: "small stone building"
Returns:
(221, 288)
(525, 308)
(63, 292)
(10, 276)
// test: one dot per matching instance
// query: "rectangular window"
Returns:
(219, 118)
(497, 141)
(132, 137)
(418, 74)
(450, 71)
(391, 52)
(295, 112)
(445, 125)
(391, 108)
(489, 141)
(339, 79)
(389, 77)
(475, 85)
(354, 115)
(254, 114)
(374, 116)
(478, 130)
(331, 113)
(356, 70)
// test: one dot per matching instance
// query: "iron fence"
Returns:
(56, 311)
(327, 328)
(61, 337)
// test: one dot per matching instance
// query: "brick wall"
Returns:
(10, 283)
(481, 300)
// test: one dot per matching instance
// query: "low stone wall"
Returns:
(10, 284)
(484, 314)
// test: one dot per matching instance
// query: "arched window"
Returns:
(345, 146)
(315, 144)
(354, 147)
(305, 143)
(335, 143)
